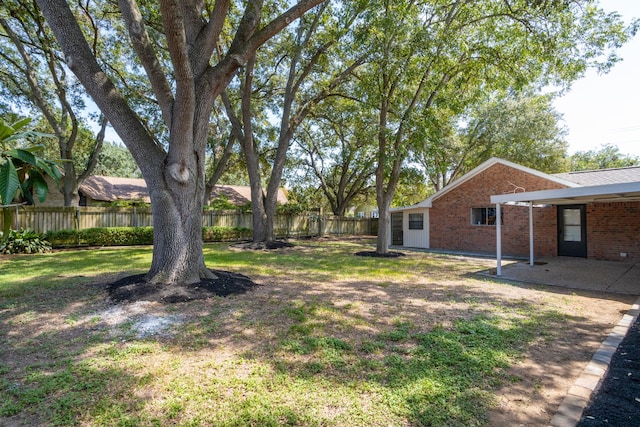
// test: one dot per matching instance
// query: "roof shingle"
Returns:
(603, 176)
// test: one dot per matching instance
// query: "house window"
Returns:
(485, 216)
(416, 221)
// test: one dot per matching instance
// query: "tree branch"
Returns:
(95, 154)
(83, 63)
(146, 53)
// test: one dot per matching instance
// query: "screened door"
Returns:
(396, 229)
(572, 231)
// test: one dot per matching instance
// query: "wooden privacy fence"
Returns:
(43, 219)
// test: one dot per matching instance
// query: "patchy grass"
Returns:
(328, 339)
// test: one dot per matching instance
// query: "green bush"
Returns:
(128, 236)
(223, 234)
(24, 242)
(63, 238)
(103, 236)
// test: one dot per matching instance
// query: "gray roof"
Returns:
(603, 176)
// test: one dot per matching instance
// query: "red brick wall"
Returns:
(450, 216)
(613, 228)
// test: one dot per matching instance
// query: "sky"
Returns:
(605, 109)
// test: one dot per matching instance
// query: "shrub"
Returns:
(128, 236)
(102, 236)
(222, 234)
(24, 242)
(63, 238)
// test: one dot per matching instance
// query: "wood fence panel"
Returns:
(44, 218)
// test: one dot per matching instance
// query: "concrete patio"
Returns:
(577, 273)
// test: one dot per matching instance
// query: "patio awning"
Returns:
(622, 192)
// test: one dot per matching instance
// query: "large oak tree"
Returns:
(198, 69)
(427, 54)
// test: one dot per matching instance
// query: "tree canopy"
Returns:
(607, 156)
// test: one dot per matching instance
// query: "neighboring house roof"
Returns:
(110, 189)
(427, 203)
(241, 194)
(603, 176)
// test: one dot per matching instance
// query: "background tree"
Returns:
(116, 160)
(412, 187)
(608, 156)
(185, 84)
(34, 75)
(428, 53)
(306, 72)
(221, 148)
(338, 148)
(522, 128)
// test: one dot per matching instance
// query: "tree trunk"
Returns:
(70, 185)
(177, 235)
(384, 222)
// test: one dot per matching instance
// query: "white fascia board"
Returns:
(428, 202)
(486, 165)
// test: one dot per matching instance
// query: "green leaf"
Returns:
(24, 155)
(26, 191)
(39, 184)
(9, 182)
(50, 168)
(10, 132)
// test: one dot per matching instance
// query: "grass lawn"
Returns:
(327, 339)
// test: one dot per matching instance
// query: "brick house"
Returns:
(592, 214)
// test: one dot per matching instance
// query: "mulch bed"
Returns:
(135, 288)
(617, 401)
(378, 255)
(262, 246)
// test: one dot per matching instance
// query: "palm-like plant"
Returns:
(22, 170)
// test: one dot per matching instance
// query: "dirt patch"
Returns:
(136, 288)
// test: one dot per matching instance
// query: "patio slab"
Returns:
(577, 273)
